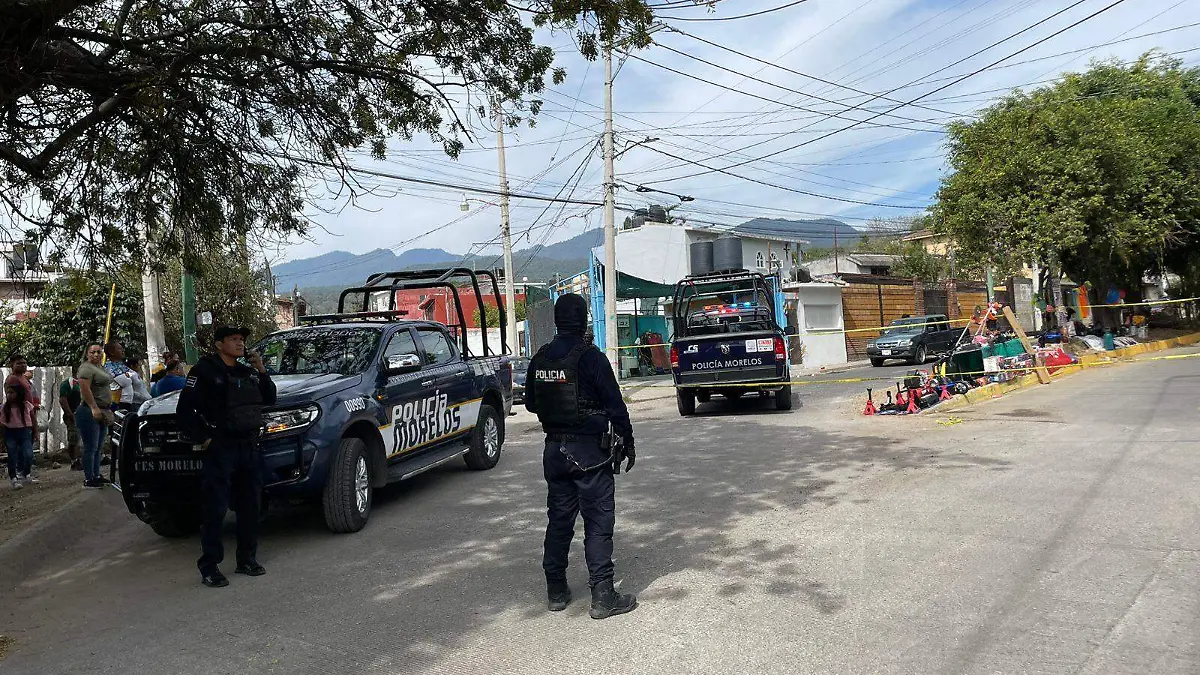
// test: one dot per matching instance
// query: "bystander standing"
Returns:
(18, 416)
(69, 399)
(173, 379)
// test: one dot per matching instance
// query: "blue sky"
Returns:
(871, 45)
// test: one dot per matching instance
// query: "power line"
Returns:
(927, 94)
(743, 16)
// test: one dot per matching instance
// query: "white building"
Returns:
(660, 252)
(20, 285)
(879, 264)
(819, 323)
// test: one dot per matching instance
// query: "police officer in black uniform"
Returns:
(572, 389)
(221, 407)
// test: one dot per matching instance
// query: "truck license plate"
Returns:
(885, 352)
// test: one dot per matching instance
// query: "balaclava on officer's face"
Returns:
(570, 314)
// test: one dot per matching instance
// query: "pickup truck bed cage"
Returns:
(717, 282)
(417, 279)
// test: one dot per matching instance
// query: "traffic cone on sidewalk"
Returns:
(870, 409)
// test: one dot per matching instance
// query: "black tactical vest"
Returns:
(556, 389)
(243, 404)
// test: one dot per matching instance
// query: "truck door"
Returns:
(400, 391)
(448, 391)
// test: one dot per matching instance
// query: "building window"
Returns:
(758, 260)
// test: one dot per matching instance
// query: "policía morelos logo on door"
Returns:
(725, 350)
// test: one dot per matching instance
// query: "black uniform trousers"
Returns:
(229, 476)
(572, 492)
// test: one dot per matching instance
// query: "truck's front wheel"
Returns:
(686, 401)
(486, 440)
(348, 493)
(176, 522)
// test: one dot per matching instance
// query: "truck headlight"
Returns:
(279, 421)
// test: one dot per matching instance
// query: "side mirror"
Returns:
(402, 363)
(790, 330)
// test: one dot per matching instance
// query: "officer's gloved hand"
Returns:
(628, 453)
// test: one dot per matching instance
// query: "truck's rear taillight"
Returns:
(674, 357)
(780, 349)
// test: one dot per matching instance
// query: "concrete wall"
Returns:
(819, 309)
(826, 266)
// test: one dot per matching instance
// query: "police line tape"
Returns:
(962, 321)
(857, 380)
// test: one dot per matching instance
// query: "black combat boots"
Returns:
(606, 601)
(558, 595)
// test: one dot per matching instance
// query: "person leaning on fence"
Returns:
(19, 419)
(69, 399)
(94, 416)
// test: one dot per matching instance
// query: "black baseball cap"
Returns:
(227, 331)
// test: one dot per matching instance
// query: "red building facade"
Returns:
(437, 304)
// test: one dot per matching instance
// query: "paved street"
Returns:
(1053, 531)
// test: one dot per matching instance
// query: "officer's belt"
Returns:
(568, 438)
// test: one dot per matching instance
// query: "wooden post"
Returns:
(1040, 368)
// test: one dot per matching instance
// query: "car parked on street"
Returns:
(520, 367)
(914, 339)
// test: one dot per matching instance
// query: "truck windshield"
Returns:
(914, 324)
(731, 312)
(319, 351)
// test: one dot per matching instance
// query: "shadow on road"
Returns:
(451, 552)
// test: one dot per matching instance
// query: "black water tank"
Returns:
(702, 257)
(727, 253)
(657, 214)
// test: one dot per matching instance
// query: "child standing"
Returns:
(19, 420)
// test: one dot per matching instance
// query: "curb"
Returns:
(998, 389)
(54, 533)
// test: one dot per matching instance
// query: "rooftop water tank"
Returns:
(702, 257)
(727, 253)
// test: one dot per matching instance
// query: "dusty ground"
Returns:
(19, 508)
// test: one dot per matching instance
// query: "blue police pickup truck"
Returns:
(726, 341)
(366, 398)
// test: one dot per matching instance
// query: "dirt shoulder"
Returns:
(20, 508)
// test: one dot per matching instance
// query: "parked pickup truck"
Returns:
(726, 334)
(366, 398)
(914, 339)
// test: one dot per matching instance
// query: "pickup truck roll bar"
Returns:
(679, 316)
(440, 278)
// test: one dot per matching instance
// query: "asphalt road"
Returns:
(1052, 531)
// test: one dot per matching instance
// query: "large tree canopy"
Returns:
(1099, 172)
(188, 120)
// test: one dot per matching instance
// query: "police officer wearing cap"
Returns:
(221, 407)
(572, 389)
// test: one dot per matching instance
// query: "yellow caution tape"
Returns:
(1151, 302)
(856, 380)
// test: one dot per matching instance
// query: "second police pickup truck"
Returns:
(727, 341)
(366, 398)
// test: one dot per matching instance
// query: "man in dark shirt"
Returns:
(572, 389)
(221, 407)
(69, 399)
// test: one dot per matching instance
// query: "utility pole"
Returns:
(835, 250)
(156, 341)
(510, 307)
(610, 230)
(295, 305)
(188, 292)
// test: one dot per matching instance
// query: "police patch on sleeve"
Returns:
(191, 383)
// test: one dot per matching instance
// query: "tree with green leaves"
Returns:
(182, 123)
(493, 314)
(1096, 176)
(72, 313)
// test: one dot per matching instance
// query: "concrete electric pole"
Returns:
(610, 230)
(156, 340)
(510, 307)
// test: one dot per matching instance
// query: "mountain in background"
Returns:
(818, 233)
(341, 269)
